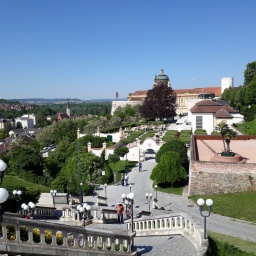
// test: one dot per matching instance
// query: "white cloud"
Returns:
(194, 78)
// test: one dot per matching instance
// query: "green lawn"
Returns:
(217, 244)
(16, 182)
(237, 205)
(169, 190)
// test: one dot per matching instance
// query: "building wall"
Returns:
(217, 178)
(208, 124)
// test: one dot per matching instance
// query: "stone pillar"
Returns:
(98, 131)
(89, 146)
(104, 145)
(121, 131)
(78, 133)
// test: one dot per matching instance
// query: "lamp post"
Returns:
(130, 188)
(84, 211)
(17, 197)
(2, 169)
(131, 198)
(148, 198)
(105, 185)
(53, 194)
(156, 191)
(209, 203)
(30, 207)
(81, 193)
(3, 192)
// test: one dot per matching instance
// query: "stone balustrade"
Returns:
(30, 237)
(173, 224)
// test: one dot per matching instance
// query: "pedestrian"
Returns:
(140, 166)
(28, 216)
(120, 212)
(122, 181)
(126, 178)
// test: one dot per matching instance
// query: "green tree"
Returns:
(169, 169)
(229, 135)
(159, 103)
(122, 151)
(174, 146)
(222, 128)
(250, 72)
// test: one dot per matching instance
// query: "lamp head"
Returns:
(200, 201)
(209, 202)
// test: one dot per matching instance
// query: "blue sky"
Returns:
(91, 49)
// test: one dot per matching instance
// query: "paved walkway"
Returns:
(141, 184)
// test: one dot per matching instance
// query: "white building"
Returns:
(206, 114)
(32, 117)
(25, 122)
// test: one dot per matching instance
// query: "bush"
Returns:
(200, 132)
(175, 146)
(113, 158)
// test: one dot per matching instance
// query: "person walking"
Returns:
(126, 178)
(140, 166)
(120, 212)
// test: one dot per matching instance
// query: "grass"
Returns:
(247, 127)
(16, 182)
(166, 188)
(236, 205)
(236, 246)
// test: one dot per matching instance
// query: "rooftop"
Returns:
(246, 148)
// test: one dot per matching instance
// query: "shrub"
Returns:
(200, 132)
(113, 158)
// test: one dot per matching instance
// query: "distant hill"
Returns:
(41, 101)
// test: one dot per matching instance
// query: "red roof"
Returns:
(210, 106)
(215, 90)
(222, 113)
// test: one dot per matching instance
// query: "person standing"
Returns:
(126, 178)
(120, 212)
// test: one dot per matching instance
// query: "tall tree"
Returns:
(250, 72)
(169, 170)
(159, 103)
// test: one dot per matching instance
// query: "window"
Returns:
(199, 122)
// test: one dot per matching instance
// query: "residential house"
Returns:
(206, 114)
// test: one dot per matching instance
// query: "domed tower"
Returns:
(161, 77)
(226, 82)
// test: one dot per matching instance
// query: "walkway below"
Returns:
(141, 184)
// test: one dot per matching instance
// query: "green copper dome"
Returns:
(162, 76)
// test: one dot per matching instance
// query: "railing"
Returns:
(33, 237)
(173, 224)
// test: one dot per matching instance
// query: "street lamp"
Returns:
(156, 191)
(3, 192)
(53, 194)
(131, 198)
(148, 198)
(209, 203)
(84, 211)
(2, 169)
(105, 189)
(30, 207)
(3, 197)
(130, 188)
(17, 197)
(81, 193)
(123, 197)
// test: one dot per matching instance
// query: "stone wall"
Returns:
(217, 178)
